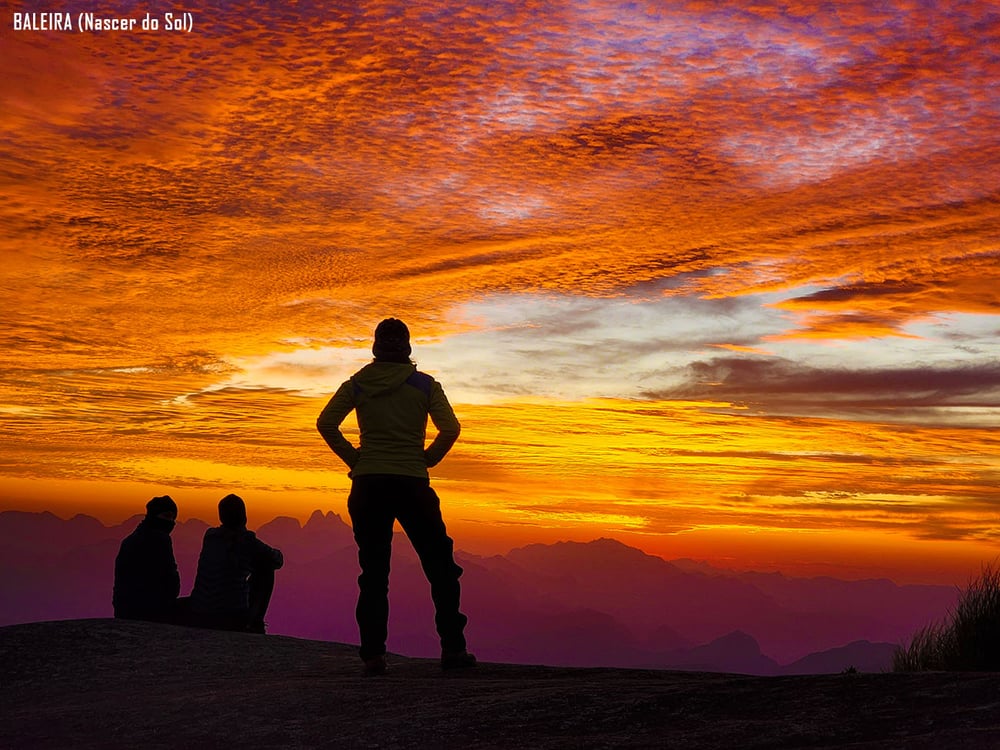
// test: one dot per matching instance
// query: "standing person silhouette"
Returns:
(390, 482)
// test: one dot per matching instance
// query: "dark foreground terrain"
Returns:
(105, 684)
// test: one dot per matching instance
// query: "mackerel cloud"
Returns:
(279, 172)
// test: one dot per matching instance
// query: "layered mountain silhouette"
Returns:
(600, 603)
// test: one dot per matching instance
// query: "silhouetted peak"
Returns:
(21, 521)
(321, 520)
(862, 655)
(736, 651)
(46, 518)
(131, 522)
(280, 525)
(689, 565)
(604, 544)
(599, 554)
(80, 520)
(27, 515)
(608, 543)
(26, 526)
(736, 641)
(732, 648)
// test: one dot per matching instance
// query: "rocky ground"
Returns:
(109, 684)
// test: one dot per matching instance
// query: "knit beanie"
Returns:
(161, 504)
(233, 512)
(392, 340)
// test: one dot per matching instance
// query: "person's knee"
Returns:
(375, 562)
(442, 569)
(262, 576)
(371, 580)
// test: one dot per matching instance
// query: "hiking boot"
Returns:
(375, 666)
(457, 660)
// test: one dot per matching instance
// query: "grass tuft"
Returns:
(967, 640)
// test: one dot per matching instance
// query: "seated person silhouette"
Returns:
(146, 579)
(235, 578)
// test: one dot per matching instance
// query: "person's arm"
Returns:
(169, 575)
(264, 555)
(444, 419)
(329, 422)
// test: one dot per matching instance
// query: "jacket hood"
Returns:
(379, 378)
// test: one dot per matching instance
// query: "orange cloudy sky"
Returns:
(718, 280)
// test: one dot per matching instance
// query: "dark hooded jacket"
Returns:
(229, 556)
(393, 401)
(146, 579)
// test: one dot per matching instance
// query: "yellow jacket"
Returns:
(393, 401)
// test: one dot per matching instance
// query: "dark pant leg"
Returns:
(370, 507)
(261, 584)
(420, 516)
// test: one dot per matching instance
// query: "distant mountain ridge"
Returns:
(600, 603)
